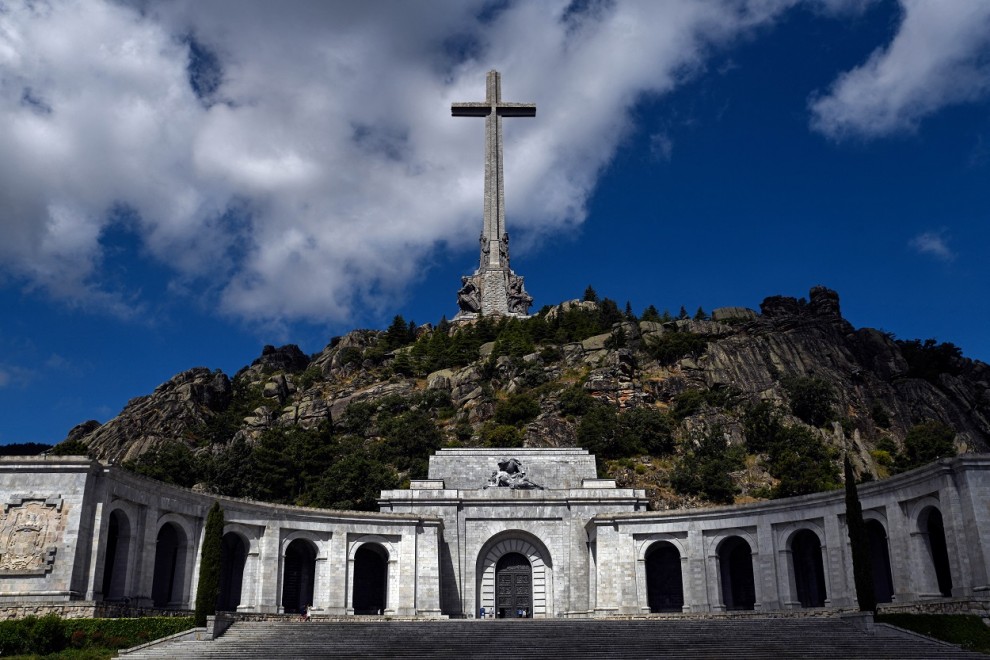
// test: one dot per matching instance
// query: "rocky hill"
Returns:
(725, 407)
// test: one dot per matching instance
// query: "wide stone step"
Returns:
(573, 639)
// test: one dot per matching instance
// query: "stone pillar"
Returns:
(271, 574)
(696, 598)
(427, 578)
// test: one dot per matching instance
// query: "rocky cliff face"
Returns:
(734, 358)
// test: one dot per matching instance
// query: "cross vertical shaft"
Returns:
(494, 238)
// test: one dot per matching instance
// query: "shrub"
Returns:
(575, 401)
(647, 429)
(926, 442)
(500, 435)
(517, 409)
(703, 468)
(929, 359)
(670, 347)
(812, 399)
(803, 464)
(967, 630)
(880, 416)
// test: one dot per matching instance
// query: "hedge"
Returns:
(51, 633)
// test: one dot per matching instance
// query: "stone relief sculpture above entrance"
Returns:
(29, 534)
(494, 288)
(510, 474)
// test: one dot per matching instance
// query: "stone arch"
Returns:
(931, 528)
(299, 553)
(386, 549)
(171, 558)
(370, 585)
(118, 548)
(664, 579)
(736, 574)
(807, 568)
(883, 581)
(535, 552)
(233, 557)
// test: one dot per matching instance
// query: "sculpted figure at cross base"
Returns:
(469, 298)
(510, 474)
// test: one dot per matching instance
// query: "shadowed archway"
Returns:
(298, 576)
(370, 579)
(664, 586)
(233, 555)
(809, 571)
(735, 559)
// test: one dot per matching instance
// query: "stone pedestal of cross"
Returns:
(494, 288)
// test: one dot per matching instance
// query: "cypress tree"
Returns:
(860, 544)
(209, 566)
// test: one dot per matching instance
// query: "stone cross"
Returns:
(493, 108)
(494, 288)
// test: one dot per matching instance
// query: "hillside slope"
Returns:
(728, 407)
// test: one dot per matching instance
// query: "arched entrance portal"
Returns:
(809, 572)
(513, 587)
(883, 583)
(735, 560)
(298, 576)
(370, 579)
(935, 531)
(170, 563)
(115, 561)
(664, 588)
(233, 555)
(538, 563)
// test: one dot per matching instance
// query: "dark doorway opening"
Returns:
(233, 556)
(513, 587)
(115, 561)
(883, 582)
(736, 563)
(809, 571)
(664, 588)
(170, 560)
(370, 579)
(299, 576)
(940, 552)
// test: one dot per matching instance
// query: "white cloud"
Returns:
(938, 57)
(329, 135)
(933, 243)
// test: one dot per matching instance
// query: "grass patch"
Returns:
(966, 630)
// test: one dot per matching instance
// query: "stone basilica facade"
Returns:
(520, 532)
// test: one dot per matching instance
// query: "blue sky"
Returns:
(185, 182)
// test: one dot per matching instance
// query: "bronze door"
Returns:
(514, 587)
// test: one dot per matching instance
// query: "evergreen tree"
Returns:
(208, 590)
(700, 315)
(650, 314)
(860, 544)
(590, 295)
(629, 312)
(683, 313)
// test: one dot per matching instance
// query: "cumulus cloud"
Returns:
(297, 160)
(940, 56)
(933, 243)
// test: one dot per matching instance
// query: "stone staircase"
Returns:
(574, 639)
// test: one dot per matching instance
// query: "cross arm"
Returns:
(470, 109)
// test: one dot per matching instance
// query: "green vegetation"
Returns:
(966, 630)
(208, 589)
(704, 466)
(517, 409)
(859, 541)
(172, 462)
(671, 346)
(609, 434)
(70, 448)
(89, 638)
(812, 399)
(924, 443)
(928, 359)
(797, 457)
(29, 449)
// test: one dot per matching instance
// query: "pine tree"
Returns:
(209, 566)
(700, 315)
(860, 544)
(683, 313)
(590, 295)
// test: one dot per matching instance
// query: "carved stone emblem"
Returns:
(30, 529)
(510, 474)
